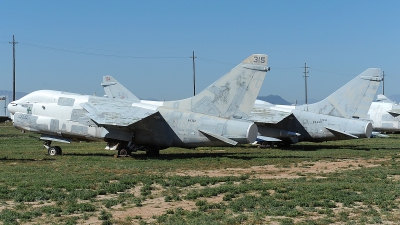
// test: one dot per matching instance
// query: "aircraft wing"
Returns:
(263, 138)
(268, 115)
(219, 137)
(341, 134)
(394, 112)
(117, 113)
(47, 137)
(379, 135)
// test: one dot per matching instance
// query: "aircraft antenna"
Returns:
(194, 74)
(13, 43)
(305, 79)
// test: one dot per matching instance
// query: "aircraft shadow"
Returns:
(25, 160)
(320, 147)
(89, 154)
(189, 155)
(231, 154)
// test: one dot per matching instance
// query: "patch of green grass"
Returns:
(87, 179)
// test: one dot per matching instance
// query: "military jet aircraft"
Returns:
(214, 117)
(342, 115)
(385, 115)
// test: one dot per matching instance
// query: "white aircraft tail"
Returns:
(114, 89)
(231, 96)
(353, 100)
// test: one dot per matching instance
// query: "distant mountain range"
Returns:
(395, 98)
(274, 99)
(278, 100)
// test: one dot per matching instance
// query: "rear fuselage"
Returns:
(313, 127)
(381, 119)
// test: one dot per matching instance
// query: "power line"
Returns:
(216, 61)
(101, 54)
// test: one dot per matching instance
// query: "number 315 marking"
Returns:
(259, 59)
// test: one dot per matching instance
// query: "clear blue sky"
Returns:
(146, 45)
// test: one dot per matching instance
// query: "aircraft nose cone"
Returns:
(12, 106)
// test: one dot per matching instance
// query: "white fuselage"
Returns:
(382, 120)
(61, 114)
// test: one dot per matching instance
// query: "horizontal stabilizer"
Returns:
(379, 135)
(383, 98)
(54, 138)
(394, 112)
(263, 138)
(341, 134)
(117, 113)
(267, 113)
(219, 137)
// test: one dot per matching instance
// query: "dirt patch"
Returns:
(295, 171)
(151, 208)
(158, 206)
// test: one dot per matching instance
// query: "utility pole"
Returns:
(5, 105)
(13, 43)
(305, 79)
(194, 75)
(383, 82)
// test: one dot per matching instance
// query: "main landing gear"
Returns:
(52, 150)
(124, 149)
(267, 144)
(124, 152)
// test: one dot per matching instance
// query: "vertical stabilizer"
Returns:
(114, 89)
(353, 100)
(233, 95)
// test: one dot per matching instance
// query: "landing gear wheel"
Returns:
(123, 153)
(52, 151)
(56, 150)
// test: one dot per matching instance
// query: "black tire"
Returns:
(58, 150)
(123, 152)
(52, 151)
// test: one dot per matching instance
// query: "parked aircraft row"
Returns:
(224, 114)
(385, 115)
(217, 116)
(342, 115)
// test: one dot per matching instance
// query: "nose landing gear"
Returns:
(52, 150)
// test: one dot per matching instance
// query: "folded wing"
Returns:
(262, 113)
(117, 113)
